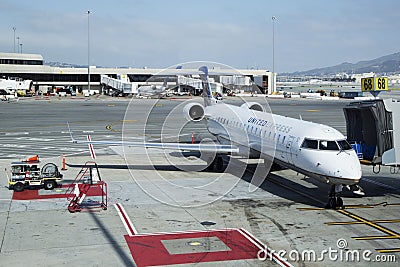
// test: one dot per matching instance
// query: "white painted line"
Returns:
(278, 259)
(18, 133)
(186, 232)
(125, 220)
(35, 139)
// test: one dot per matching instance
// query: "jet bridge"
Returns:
(374, 131)
(118, 86)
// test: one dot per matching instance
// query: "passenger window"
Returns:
(308, 143)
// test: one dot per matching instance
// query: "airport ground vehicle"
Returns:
(27, 174)
(5, 95)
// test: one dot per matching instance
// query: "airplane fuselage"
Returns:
(315, 150)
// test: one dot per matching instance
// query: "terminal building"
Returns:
(46, 78)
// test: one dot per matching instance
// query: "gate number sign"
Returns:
(374, 84)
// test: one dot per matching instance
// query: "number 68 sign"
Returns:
(374, 84)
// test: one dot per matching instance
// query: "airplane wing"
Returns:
(212, 148)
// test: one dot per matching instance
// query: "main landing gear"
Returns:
(335, 202)
(217, 162)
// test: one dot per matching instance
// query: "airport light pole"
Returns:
(18, 43)
(273, 55)
(21, 47)
(14, 37)
(88, 26)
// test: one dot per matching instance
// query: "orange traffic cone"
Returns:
(64, 163)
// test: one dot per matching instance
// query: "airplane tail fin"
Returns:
(209, 100)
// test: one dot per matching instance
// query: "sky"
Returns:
(308, 34)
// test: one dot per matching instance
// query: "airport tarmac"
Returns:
(160, 214)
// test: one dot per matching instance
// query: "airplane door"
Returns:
(289, 150)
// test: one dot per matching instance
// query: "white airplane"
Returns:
(152, 90)
(315, 150)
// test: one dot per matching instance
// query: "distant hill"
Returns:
(64, 65)
(67, 65)
(381, 65)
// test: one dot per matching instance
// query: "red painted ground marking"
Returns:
(268, 253)
(148, 250)
(125, 219)
(91, 149)
(34, 194)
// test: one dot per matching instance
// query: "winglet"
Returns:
(70, 134)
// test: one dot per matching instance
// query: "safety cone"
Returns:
(192, 138)
(64, 163)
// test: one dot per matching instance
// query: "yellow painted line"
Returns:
(110, 105)
(357, 222)
(343, 223)
(346, 207)
(358, 206)
(365, 162)
(377, 237)
(128, 120)
(394, 204)
(388, 250)
(376, 226)
(158, 105)
(387, 221)
(313, 110)
(311, 208)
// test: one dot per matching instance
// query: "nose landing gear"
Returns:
(335, 202)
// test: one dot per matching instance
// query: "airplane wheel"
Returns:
(339, 203)
(210, 165)
(220, 164)
(331, 203)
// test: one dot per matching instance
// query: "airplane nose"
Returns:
(346, 166)
(350, 167)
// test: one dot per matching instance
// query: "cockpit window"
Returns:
(344, 145)
(328, 145)
(308, 143)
